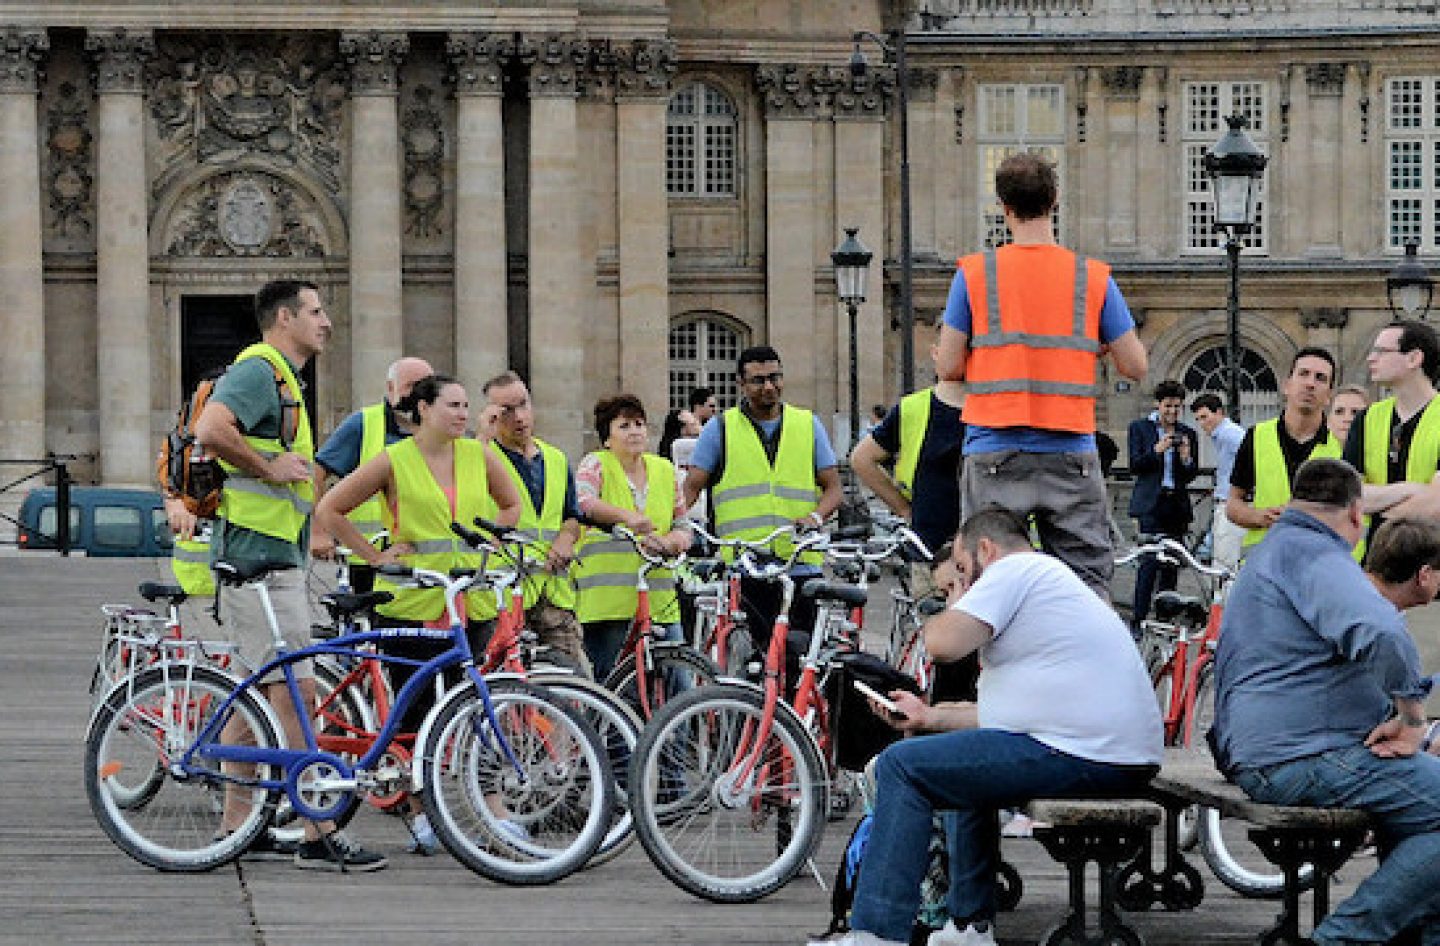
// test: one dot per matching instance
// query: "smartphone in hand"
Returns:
(878, 698)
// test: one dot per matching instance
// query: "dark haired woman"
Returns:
(622, 484)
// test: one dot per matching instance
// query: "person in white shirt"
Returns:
(1226, 435)
(1065, 710)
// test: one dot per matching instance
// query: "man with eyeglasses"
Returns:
(767, 464)
(1395, 443)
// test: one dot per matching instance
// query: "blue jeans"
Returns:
(1403, 797)
(970, 774)
(603, 640)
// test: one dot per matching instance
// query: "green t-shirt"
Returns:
(249, 390)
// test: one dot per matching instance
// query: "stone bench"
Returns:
(1290, 837)
(1111, 833)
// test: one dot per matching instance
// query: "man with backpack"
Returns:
(256, 424)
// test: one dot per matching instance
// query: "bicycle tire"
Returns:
(678, 668)
(619, 730)
(473, 795)
(714, 839)
(140, 723)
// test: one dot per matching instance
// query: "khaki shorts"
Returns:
(243, 617)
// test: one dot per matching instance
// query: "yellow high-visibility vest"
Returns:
(541, 526)
(606, 567)
(753, 497)
(1272, 477)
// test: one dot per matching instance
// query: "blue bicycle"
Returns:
(516, 785)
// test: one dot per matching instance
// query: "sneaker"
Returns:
(857, 938)
(974, 934)
(1019, 826)
(336, 852)
(267, 847)
(422, 838)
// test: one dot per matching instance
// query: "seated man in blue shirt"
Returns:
(1305, 627)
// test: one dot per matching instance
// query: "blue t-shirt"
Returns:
(341, 453)
(1115, 320)
(711, 444)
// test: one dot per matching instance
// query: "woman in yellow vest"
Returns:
(624, 485)
(436, 477)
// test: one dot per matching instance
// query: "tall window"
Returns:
(1014, 118)
(1259, 390)
(1207, 105)
(703, 352)
(1412, 162)
(700, 136)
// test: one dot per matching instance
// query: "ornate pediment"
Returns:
(218, 100)
(245, 213)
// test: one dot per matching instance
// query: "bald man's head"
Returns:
(402, 377)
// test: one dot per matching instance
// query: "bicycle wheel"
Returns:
(143, 727)
(619, 730)
(675, 668)
(532, 826)
(722, 817)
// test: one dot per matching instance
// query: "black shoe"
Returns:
(267, 847)
(336, 852)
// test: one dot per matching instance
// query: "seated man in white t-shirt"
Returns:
(1065, 710)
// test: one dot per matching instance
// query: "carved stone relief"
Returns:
(641, 68)
(478, 62)
(214, 101)
(1325, 79)
(69, 180)
(374, 60)
(21, 55)
(556, 64)
(245, 213)
(1122, 82)
(422, 132)
(120, 56)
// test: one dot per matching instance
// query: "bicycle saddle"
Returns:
(154, 591)
(345, 604)
(820, 589)
(1186, 609)
(231, 574)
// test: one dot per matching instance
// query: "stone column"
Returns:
(642, 88)
(122, 257)
(559, 314)
(791, 102)
(1155, 190)
(860, 202)
(925, 167)
(1361, 227)
(1324, 86)
(481, 325)
(22, 284)
(1120, 137)
(376, 297)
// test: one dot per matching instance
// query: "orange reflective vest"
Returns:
(1034, 365)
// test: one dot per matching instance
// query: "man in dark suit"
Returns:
(1164, 458)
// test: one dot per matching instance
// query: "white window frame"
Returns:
(1417, 137)
(718, 344)
(1200, 129)
(999, 139)
(702, 143)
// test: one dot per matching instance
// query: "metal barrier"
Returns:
(58, 464)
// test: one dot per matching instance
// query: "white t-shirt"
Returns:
(1062, 666)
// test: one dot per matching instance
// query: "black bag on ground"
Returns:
(856, 731)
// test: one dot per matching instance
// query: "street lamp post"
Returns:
(895, 47)
(852, 265)
(1409, 288)
(1235, 166)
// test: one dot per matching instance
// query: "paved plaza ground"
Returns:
(65, 882)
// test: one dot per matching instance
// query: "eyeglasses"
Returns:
(1378, 351)
(759, 380)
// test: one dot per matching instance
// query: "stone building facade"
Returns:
(616, 195)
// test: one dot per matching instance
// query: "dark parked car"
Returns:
(104, 523)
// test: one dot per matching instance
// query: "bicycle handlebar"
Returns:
(1174, 553)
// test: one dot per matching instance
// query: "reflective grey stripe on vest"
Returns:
(259, 487)
(767, 523)
(193, 556)
(752, 490)
(368, 527)
(1030, 386)
(435, 546)
(993, 337)
(616, 580)
(608, 547)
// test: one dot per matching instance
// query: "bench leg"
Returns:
(1110, 850)
(1177, 885)
(1291, 851)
